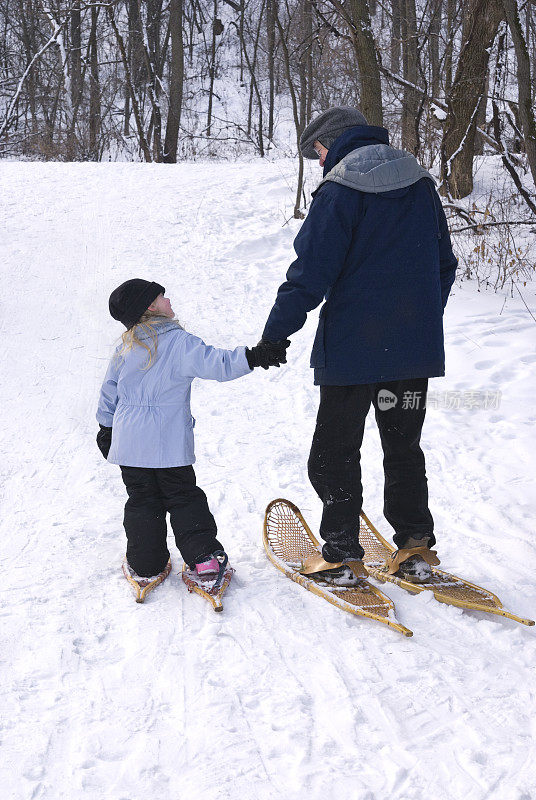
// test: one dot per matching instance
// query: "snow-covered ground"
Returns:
(282, 695)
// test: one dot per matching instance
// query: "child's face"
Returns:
(162, 306)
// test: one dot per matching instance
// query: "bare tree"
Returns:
(396, 35)
(356, 15)
(94, 87)
(135, 106)
(410, 102)
(91, 79)
(176, 82)
(434, 32)
(76, 53)
(216, 31)
(464, 98)
(526, 107)
(271, 6)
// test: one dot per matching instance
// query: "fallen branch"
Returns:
(495, 224)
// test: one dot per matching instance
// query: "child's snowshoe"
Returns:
(142, 586)
(209, 578)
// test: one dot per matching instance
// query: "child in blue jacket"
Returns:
(146, 426)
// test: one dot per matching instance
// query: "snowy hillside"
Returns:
(282, 695)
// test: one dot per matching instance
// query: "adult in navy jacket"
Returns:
(375, 247)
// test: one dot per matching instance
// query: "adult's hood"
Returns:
(363, 159)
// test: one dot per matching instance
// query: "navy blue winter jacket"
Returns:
(375, 245)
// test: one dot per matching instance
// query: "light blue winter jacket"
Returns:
(149, 410)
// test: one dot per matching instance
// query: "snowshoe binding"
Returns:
(209, 577)
(343, 573)
(414, 564)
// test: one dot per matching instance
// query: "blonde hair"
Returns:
(148, 324)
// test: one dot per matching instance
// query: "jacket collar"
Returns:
(352, 139)
(162, 326)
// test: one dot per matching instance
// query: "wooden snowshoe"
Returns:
(292, 548)
(211, 587)
(142, 586)
(383, 563)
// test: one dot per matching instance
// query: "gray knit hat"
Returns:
(327, 127)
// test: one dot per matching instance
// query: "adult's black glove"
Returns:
(104, 440)
(267, 354)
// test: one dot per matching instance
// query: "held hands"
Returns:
(267, 354)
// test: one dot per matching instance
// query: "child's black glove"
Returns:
(267, 354)
(104, 440)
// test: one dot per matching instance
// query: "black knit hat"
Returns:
(130, 301)
(328, 126)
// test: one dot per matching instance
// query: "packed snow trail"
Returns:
(282, 695)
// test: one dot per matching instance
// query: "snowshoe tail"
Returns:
(381, 562)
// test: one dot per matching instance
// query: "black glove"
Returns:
(267, 354)
(104, 440)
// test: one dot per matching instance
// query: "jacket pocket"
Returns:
(318, 355)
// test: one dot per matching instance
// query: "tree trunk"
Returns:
(298, 214)
(367, 60)
(241, 36)
(449, 36)
(481, 118)
(434, 34)
(499, 83)
(308, 59)
(152, 59)
(135, 43)
(410, 102)
(28, 26)
(212, 69)
(270, 31)
(67, 106)
(176, 82)
(94, 88)
(76, 53)
(457, 148)
(305, 62)
(395, 36)
(134, 100)
(254, 86)
(526, 109)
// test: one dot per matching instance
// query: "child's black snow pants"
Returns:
(335, 469)
(152, 493)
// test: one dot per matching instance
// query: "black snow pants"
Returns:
(152, 493)
(335, 469)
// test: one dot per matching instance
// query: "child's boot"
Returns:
(207, 566)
